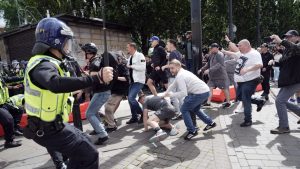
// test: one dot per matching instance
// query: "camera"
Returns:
(268, 39)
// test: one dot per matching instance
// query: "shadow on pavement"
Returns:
(288, 146)
(165, 157)
(6, 164)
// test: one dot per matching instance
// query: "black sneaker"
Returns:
(207, 105)
(210, 126)
(93, 133)
(226, 105)
(18, 133)
(101, 140)
(190, 135)
(12, 144)
(267, 97)
(246, 124)
(109, 130)
(260, 105)
(132, 121)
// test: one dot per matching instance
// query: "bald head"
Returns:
(244, 46)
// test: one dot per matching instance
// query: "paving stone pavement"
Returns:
(226, 146)
(254, 147)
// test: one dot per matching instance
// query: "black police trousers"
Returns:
(7, 122)
(16, 114)
(266, 83)
(72, 143)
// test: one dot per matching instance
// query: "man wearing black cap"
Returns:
(289, 79)
(216, 71)
(266, 56)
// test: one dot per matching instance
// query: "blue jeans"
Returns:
(244, 92)
(192, 103)
(133, 91)
(98, 100)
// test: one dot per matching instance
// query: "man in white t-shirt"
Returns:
(246, 75)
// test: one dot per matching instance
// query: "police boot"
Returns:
(12, 144)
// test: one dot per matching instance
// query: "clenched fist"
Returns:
(106, 74)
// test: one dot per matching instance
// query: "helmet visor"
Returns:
(67, 49)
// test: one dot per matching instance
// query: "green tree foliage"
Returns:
(10, 11)
(165, 18)
(169, 18)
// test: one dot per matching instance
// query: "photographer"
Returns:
(289, 79)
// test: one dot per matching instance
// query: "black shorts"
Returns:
(166, 113)
(159, 76)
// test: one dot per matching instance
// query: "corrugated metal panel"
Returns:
(20, 45)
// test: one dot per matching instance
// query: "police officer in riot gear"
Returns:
(48, 98)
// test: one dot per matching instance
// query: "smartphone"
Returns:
(268, 39)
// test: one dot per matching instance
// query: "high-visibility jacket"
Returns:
(16, 100)
(4, 95)
(42, 103)
(21, 73)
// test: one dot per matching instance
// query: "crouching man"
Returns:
(164, 112)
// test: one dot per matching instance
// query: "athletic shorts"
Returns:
(159, 76)
(166, 113)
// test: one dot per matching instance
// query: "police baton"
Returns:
(106, 59)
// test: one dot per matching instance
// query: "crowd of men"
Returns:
(168, 66)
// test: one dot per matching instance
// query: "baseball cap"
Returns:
(214, 45)
(291, 33)
(153, 38)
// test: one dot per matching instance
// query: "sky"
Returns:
(2, 22)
